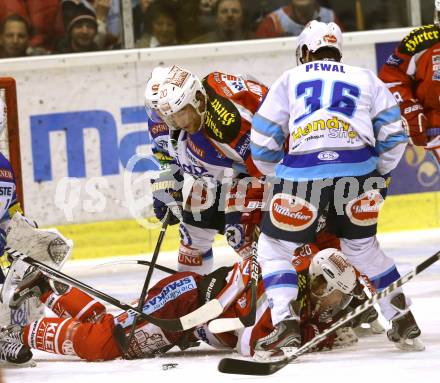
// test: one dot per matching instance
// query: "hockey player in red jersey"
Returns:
(83, 328)
(208, 139)
(412, 73)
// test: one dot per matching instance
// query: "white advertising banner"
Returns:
(82, 118)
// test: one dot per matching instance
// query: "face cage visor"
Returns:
(328, 296)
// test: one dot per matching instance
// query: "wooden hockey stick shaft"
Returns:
(247, 367)
(203, 314)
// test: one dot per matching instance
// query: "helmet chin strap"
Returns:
(202, 114)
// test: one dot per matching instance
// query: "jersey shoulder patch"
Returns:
(6, 173)
(420, 39)
(222, 119)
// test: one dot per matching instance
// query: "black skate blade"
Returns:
(248, 367)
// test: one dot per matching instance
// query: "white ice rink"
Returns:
(372, 359)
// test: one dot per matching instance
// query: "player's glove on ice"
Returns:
(167, 194)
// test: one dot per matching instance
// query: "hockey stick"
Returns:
(149, 274)
(140, 262)
(247, 367)
(231, 324)
(208, 311)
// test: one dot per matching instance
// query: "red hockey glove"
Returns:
(414, 121)
(251, 215)
(309, 331)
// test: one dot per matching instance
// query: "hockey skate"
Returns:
(404, 331)
(281, 342)
(34, 284)
(15, 355)
(12, 334)
(366, 323)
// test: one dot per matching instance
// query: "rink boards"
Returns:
(82, 120)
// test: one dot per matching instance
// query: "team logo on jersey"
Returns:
(335, 127)
(419, 39)
(291, 213)
(234, 236)
(364, 210)
(436, 75)
(222, 119)
(170, 292)
(394, 60)
(328, 155)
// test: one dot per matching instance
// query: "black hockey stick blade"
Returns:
(250, 367)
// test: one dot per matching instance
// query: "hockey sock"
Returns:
(75, 304)
(51, 335)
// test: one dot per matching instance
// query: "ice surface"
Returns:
(372, 359)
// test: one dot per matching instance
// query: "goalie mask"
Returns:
(182, 100)
(151, 96)
(332, 279)
(317, 35)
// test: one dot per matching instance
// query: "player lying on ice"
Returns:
(83, 328)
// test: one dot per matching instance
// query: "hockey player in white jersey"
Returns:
(331, 134)
(215, 151)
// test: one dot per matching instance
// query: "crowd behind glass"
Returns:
(37, 27)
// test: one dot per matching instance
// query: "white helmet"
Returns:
(2, 116)
(317, 35)
(151, 95)
(178, 90)
(333, 266)
(436, 12)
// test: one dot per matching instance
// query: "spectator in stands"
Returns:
(139, 14)
(161, 25)
(81, 29)
(189, 15)
(229, 23)
(207, 15)
(15, 34)
(291, 20)
(41, 16)
(108, 18)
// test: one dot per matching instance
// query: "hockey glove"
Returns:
(310, 330)
(167, 194)
(414, 121)
(253, 204)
